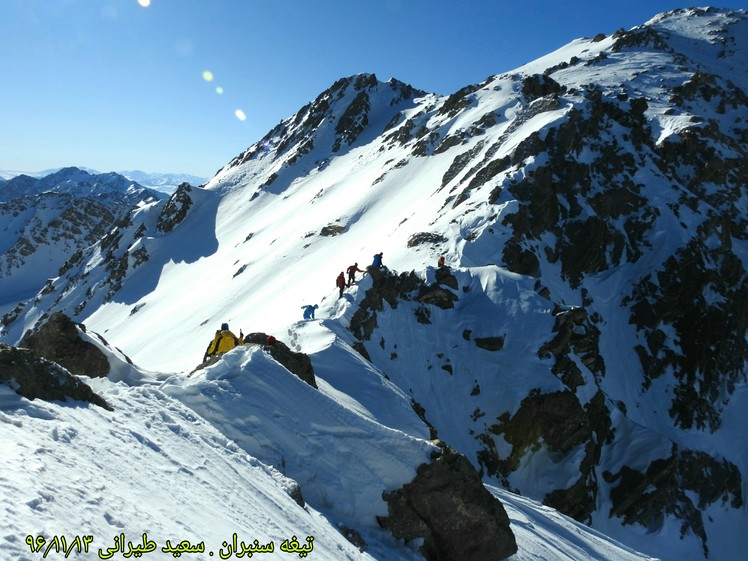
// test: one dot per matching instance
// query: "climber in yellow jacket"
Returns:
(223, 342)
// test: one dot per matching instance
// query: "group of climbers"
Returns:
(341, 282)
(225, 340)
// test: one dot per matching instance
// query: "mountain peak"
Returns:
(331, 123)
(81, 183)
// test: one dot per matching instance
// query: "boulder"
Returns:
(58, 339)
(297, 363)
(436, 295)
(444, 276)
(447, 506)
(490, 343)
(34, 377)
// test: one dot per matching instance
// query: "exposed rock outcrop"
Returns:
(176, 208)
(447, 506)
(699, 297)
(563, 426)
(391, 288)
(577, 335)
(490, 343)
(58, 339)
(36, 378)
(296, 362)
(684, 483)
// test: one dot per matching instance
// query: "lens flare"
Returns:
(183, 48)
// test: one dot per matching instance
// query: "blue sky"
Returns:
(124, 84)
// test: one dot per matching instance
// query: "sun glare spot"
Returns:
(208, 76)
(144, 3)
(219, 90)
(240, 115)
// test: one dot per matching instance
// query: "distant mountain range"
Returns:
(164, 182)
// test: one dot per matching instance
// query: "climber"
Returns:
(352, 270)
(223, 342)
(309, 311)
(377, 263)
(340, 283)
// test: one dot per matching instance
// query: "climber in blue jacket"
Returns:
(309, 311)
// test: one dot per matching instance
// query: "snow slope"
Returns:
(164, 464)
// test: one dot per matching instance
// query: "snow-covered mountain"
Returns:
(47, 220)
(585, 347)
(106, 187)
(163, 182)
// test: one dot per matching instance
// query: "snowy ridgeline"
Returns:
(169, 469)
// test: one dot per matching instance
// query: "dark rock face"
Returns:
(458, 101)
(353, 121)
(576, 334)
(36, 378)
(297, 363)
(490, 343)
(540, 85)
(711, 331)
(392, 288)
(58, 340)
(682, 484)
(425, 238)
(563, 425)
(584, 244)
(175, 210)
(448, 507)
